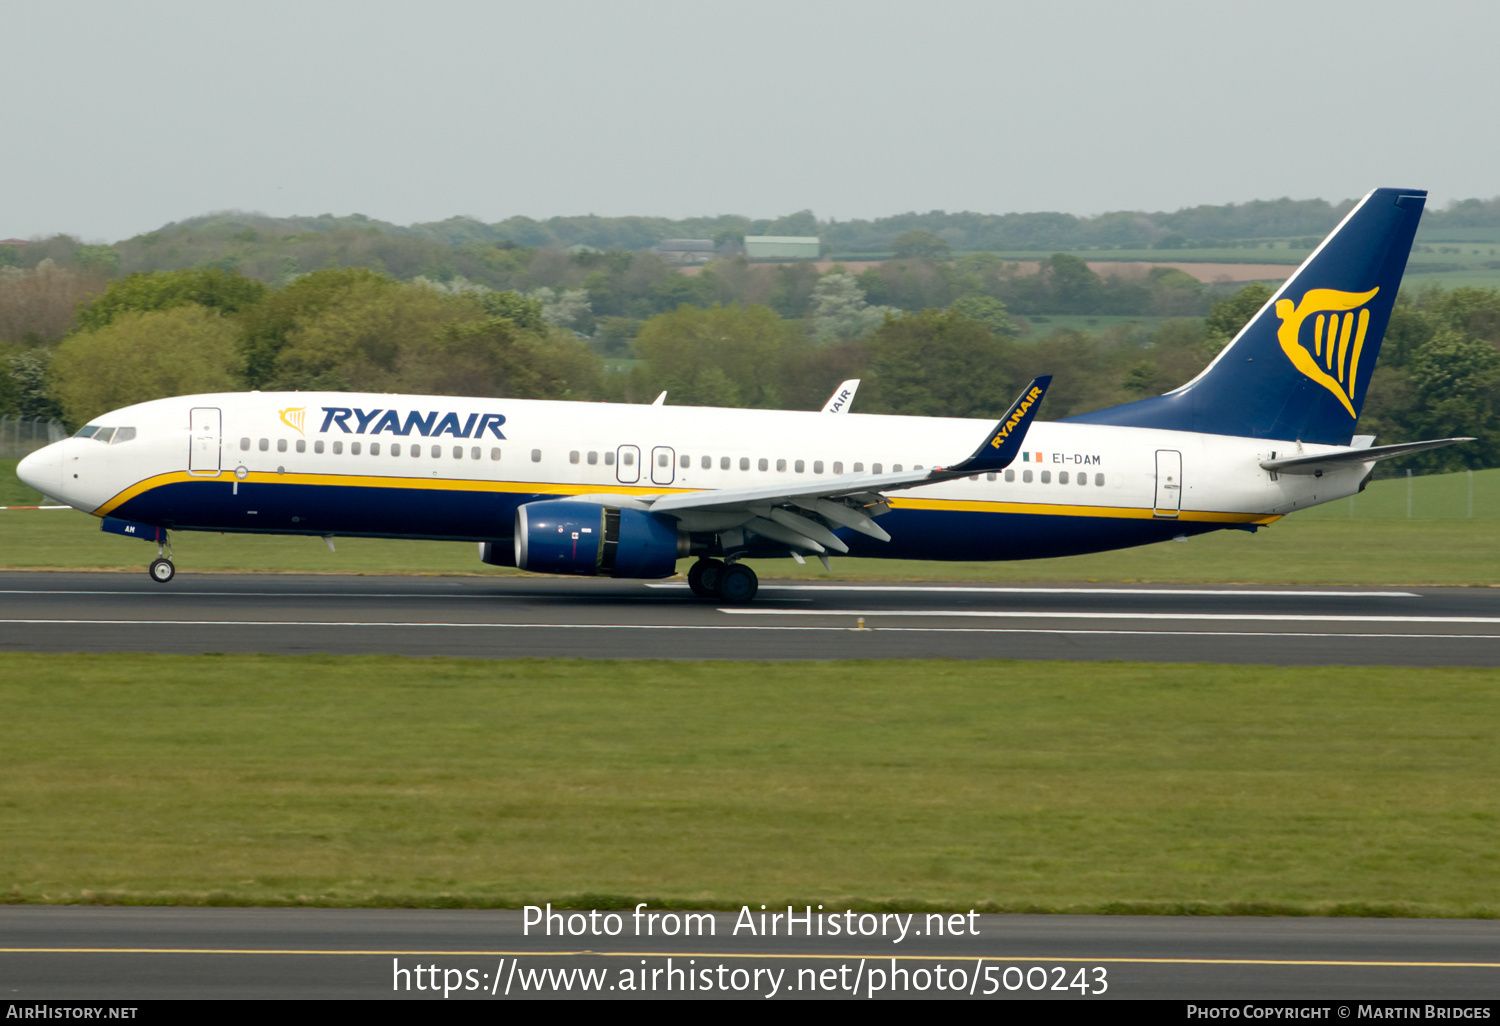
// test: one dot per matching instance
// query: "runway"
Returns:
(511, 617)
(153, 953)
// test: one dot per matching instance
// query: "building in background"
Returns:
(685, 251)
(782, 247)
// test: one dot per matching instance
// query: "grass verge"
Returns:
(1008, 786)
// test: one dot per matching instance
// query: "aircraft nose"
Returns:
(42, 470)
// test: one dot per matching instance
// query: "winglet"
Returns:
(842, 397)
(1003, 444)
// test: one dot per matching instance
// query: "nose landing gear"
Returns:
(161, 568)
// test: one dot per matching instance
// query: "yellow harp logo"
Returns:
(294, 418)
(1331, 356)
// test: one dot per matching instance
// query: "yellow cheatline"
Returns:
(545, 488)
(374, 481)
(1057, 509)
(752, 954)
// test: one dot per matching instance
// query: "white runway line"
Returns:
(743, 627)
(1022, 614)
(960, 589)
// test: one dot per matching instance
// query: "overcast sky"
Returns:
(119, 117)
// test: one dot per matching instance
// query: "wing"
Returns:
(802, 514)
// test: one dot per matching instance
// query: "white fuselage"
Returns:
(330, 463)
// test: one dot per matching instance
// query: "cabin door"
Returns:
(662, 459)
(628, 464)
(1168, 483)
(203, 456)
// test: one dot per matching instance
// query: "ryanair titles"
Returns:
(1017, 415)
(354, 421)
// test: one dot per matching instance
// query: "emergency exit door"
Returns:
(204, 427)
(1168, 483)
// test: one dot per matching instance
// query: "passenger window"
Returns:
(318, 447)
(609, 459)
(475, 453)
(495, 454)
(338, 448)
(244, 444)
(859, 468)
(799, 466)
(628, 457)
(686, 462)
(301, 445)
(723, 462)
(817, 466)
(781, 466)
(973, 477)
(663, 460)
(707, 463)
(1010, 475)
(458, 452)
(573, 456)
(536, 456)
(1062, 477)
(1099, 480)
(763, 464)
(437, 451)
(895, 468)
(838, 468)
(104, 435)
(281, 445)
(917, 467)
(744, 462)
(375, 448)
(395, 448)
(593, 457)
(1046, 477)
(265, 445)
(875, 468)
(989, 477)
(124, 434)
(1083, 479)
(354, 448)
(1026, 477)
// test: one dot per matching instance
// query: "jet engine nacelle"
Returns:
(560, 536)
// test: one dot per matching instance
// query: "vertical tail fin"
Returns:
(1300, 368)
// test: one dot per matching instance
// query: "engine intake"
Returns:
(559, 536)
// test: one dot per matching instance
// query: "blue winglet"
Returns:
(1003, 444)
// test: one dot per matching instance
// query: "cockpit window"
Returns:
(124, 434)
(87, 431)
(104, 435)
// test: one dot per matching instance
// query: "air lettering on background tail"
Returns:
(1336, 342)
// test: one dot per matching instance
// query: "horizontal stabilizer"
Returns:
(1336, 460)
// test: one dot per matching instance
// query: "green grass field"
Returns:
(1319, 546)
(1004, 786)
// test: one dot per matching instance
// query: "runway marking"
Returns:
(959, 589)
(1353, 963)
(1023, 614)
(751, 627)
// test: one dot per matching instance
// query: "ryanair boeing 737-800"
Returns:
(627, 491)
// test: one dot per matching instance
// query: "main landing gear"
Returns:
(161, 568)
(734, 583)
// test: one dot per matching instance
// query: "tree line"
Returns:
(158, 333)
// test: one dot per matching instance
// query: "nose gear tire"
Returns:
(162, 570)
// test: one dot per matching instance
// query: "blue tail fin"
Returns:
(1300, 368)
